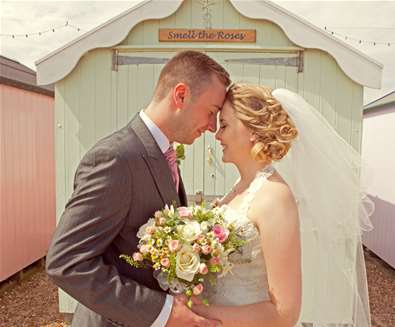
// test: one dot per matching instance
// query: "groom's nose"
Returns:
(212, 125)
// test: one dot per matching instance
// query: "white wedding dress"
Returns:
(333, 213)
(246, 282)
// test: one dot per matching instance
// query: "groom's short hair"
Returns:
(193, 68)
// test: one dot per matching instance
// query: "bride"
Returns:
(297, 202)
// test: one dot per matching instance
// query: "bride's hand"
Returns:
(196, 300)
(215, 203)
(199, 308)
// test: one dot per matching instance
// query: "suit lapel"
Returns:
(161, 173)
(181, 192)
(156, 163)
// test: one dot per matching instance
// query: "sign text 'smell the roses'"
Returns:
(206, 35)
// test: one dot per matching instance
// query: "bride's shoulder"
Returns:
(275, 189)
(274, 198)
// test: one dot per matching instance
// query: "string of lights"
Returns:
(41, 33)
(359, 40)
(339, 35)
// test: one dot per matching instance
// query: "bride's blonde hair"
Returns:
(260, 112)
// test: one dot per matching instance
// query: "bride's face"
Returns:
(233, 135)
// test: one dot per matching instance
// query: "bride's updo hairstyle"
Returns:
(260, 112)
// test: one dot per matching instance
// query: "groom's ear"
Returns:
(180, 92)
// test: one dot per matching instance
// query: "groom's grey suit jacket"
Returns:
(118, 185)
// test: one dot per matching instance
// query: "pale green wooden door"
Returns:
(134, 80)
(274, 70)
(203, 171)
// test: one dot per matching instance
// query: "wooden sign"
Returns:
(206, 35)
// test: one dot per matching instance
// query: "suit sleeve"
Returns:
(93, 217)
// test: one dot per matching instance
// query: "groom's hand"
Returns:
(181, 315)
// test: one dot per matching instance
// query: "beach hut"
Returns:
(27, 168)
(378, 148)
(103, 78)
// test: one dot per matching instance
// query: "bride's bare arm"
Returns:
(275, 212)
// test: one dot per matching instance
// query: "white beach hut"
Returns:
(378, 149)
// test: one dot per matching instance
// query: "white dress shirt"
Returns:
(163, 143)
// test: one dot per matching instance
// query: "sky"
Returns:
(365, 20)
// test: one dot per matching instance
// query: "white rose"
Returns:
(190, 231)
(204, 226)
(142, 232)
(187, 263)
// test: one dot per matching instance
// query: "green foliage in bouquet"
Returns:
(187, 247)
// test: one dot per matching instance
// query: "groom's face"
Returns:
(201, 112)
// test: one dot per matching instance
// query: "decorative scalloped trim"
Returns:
(62, 61)
(354, 63)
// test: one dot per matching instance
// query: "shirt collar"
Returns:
(160, 138)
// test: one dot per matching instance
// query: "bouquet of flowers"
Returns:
(186, 246)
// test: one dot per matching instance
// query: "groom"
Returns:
(118, 185)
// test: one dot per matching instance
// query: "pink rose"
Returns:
(196, 248)
(214, 261)
(206, 249)
(165, 262)
(158, 214)
(203, 269)
(220, 233)
(174, 245)
(198, 289)
(184, 212)
(137, 256)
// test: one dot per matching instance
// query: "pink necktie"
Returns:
(171, 158)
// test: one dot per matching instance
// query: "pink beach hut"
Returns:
(27, 168)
